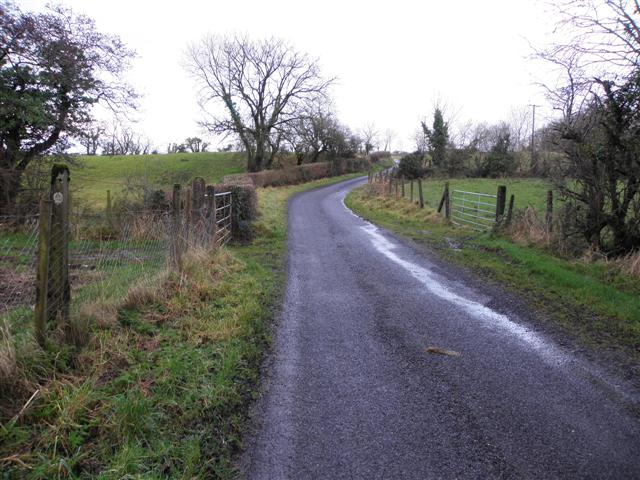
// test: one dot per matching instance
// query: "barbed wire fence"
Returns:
(56, 261)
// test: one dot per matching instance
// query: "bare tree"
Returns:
(370, 135)
(388, 136)
(196, 144)
(600, 129)
(520, 127)
(263, 87)
(91, 137)
(122, 140)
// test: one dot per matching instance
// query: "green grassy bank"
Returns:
(595, 301)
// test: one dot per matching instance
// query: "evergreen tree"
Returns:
(438, 137)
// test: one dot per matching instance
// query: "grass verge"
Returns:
(163, 387)
(599, 303)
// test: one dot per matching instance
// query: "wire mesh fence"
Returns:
(54, 262)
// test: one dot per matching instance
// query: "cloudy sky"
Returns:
(394, 59)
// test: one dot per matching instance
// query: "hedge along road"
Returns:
(353, 392)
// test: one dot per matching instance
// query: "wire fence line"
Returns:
(480, 211)
(54, 262)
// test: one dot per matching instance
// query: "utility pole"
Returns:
(533, 132)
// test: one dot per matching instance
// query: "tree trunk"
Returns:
(9, 190)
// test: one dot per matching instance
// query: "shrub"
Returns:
(375, 157)
(410, 166)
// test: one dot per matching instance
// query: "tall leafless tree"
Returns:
(370, 137)
(263, 86)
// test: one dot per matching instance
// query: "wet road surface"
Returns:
(352, 391)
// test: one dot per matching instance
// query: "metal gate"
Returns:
(475, 209)
(223, 217)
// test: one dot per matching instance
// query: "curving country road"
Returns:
(353, 393)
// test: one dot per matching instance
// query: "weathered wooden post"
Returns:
(197, 206)
(500, 203)
(420, 197)
(177, 233)
(58, 289)
(109, 209)
(510, 210)
(402, 180)
(447, 202)
(212, 225)
(187, 218)
(42, 276)
(411, 190)
(549, 213)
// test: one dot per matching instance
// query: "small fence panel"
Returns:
(477, 210)
(90, 257)
(223, 217)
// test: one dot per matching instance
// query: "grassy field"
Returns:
(94, 175)
(527, 191)
(594, 301)
(162, 389)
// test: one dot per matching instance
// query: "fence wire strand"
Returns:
(107, 254)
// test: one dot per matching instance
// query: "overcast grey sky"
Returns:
(393, 59)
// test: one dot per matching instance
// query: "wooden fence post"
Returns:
(420, 197)
(411, 190)
(500, 203)
(187, 217)
(549, 213)
(197, 209)
(212, 225)
(402, 180)
(109, 209)
(510, 210)
(390, 180)
(42, 276)
(177, 233)
(447, 202)
(58, 289)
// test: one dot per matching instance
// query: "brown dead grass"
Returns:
(8, 365)
(527, 228)
(629, 263)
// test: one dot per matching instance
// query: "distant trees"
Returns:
(499, 161)
(263, 86)
(319, 133)
(54, 67)
(196, 144)
(91, 137)
(123, 140)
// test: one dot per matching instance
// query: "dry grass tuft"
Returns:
(145, 293)
(528, 228)
(629, 263)
(8, 364)
(104, 315)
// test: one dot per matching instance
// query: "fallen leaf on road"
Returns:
(442, 351)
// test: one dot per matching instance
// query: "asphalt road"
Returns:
(352, 391)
